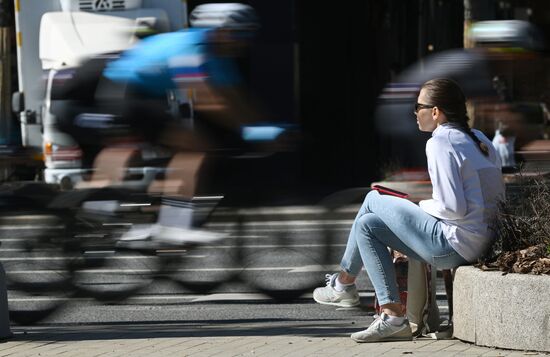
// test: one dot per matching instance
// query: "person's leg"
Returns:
(177, 216)
(401, 225)
(373, 238)
(371, 235)
(340, 290)
(351, 262)
(415, 233)
(182, 174)
(177, 213)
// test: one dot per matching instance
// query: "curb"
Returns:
(505, 311)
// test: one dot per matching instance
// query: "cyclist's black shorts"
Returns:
(95, 111)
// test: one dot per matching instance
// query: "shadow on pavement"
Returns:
(171, 329)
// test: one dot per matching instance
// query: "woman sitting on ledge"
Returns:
(451, 229)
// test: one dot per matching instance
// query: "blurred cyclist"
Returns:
(199, 62)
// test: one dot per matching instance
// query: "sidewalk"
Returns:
(286, 338)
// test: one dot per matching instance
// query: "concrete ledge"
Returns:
(507, 311)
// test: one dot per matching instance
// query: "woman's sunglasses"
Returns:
(419, 106)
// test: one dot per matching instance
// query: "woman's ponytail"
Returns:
(464, 127)
(446, 94)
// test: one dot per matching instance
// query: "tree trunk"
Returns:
(467, 23)
(6, 28)
(5, 85)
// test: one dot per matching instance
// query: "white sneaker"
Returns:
(180, 236)
(381, 330)
(171, 235)
(138, 237)
(138, 232)
(329, 296)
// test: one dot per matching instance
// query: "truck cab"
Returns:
(54, 38)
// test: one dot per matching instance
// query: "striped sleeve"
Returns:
(187, 69)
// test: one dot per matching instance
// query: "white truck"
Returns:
(54, 36)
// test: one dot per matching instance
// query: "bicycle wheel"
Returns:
(281, 258)
(30, 308)
(105, 272)
(203, 268)
(34, 256)
(34, 251)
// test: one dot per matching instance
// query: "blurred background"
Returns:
(346, 76)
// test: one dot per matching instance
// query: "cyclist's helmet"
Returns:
(226, 15)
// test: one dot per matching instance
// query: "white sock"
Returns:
(338, 286)
(176, 213)
(396, 320)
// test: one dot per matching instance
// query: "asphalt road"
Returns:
(278, 254)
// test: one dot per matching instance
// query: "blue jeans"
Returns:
(385, 221)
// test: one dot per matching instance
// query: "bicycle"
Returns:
(85, 237)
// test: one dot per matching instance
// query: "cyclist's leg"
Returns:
(181, 176)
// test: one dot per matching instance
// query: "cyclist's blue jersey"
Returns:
(170, 61)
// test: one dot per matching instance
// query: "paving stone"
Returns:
(280, 345)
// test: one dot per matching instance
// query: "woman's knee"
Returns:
(372, 195)
(368, 221)
(372, 198)
(369, 198)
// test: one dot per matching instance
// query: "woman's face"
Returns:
(425, 113)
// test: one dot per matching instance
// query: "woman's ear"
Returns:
(438, 115)
(435, 113)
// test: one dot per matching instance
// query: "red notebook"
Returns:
(388, 191)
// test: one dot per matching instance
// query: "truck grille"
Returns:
(102, 5)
